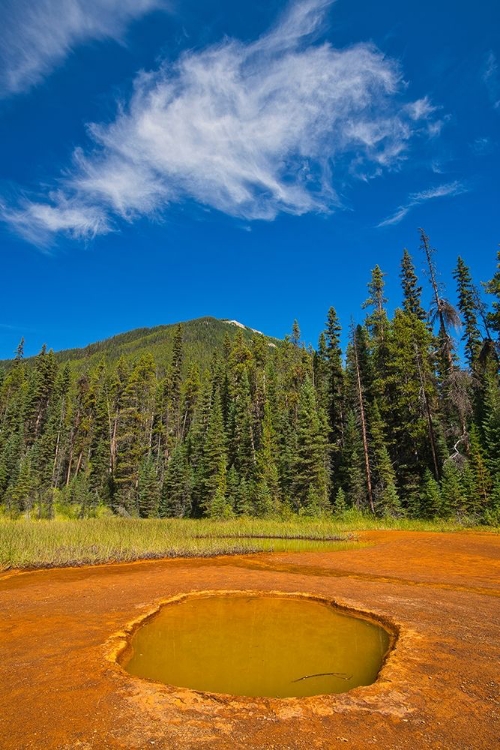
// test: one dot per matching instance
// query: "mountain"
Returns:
(390, 428)
(201, 337)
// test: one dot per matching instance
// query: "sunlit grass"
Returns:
(38, 543)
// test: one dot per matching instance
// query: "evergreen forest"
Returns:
(212, 419)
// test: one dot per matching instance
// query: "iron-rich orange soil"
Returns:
(438, 689)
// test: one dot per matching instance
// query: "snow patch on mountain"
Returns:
(240, 325)
(247, 328)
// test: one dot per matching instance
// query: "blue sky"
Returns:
(166, 159)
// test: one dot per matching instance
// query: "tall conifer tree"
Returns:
(412, 292)
(467, 304)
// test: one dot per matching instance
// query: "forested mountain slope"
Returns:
(201, 338)
(211, 418)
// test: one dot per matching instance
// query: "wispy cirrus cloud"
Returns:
(280, 124)
(483, 146)
(38, 34)
(415, 199)
(491, 78)
(39, 222)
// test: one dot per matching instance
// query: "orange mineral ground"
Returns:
(60, 629)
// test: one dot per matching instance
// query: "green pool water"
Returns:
(247, 645)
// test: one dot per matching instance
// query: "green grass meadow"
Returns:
(28, 543)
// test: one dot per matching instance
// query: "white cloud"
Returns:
(483, 146)
(38, 34)
(450, 188)
(420, 109)
(438, 166)
(415, 199)
(275, 125)
(38, 222)
(491, 79)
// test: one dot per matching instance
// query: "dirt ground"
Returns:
(60, 687)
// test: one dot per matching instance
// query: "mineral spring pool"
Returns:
(250, 645)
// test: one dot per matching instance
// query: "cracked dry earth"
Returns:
(439, 688)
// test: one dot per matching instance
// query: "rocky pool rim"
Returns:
(120, 642)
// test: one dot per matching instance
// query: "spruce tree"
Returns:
(412, 292)
(385, 493)
(491, 424)
(268, 500)
(320, 370)
(148, 489)
(135, 433)
(210, 478)
(218, 506)
(176, 382)
(195, 442)
(492, 512)
(430, 497)
(493, 288)
(310, 473)
(361, 381)
(295, 337)
(339, 504)
(116, 397)
(242, 439)
(286, 439)
(335, 405)
(467, 304)
(453, 495)
(410, 410)
(376, 322)
(176, 491)
(99, 466)
(190, 395)
(10, 459)
(41, 380)
(352, 467)
(19, 352)
(22, 494)
(480, 472)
